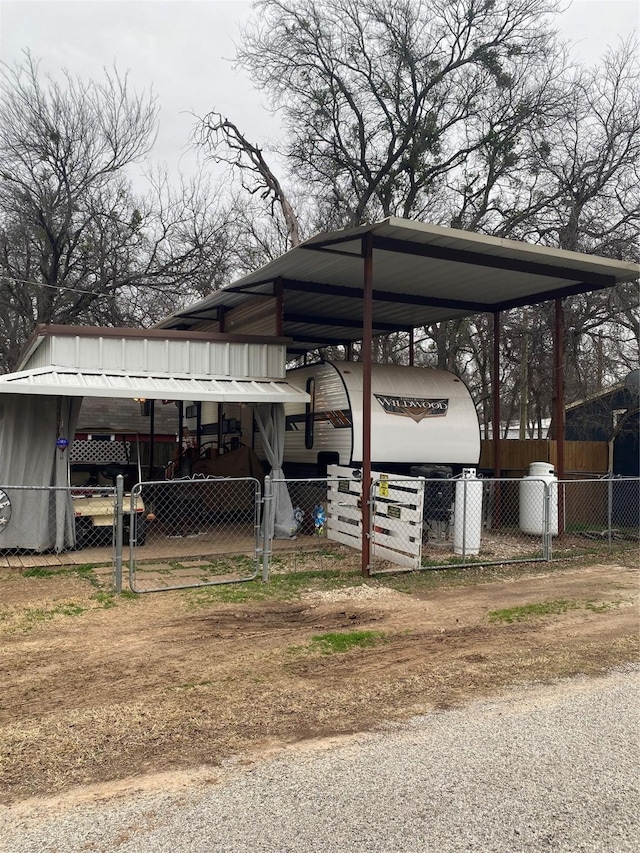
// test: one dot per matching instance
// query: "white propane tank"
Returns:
(467, 514)
(532, 489)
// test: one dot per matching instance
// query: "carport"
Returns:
(39, 403)
(395, 275)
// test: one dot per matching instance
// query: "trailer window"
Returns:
(310, 411)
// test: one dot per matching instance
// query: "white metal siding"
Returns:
(330, 395)
(244, 360)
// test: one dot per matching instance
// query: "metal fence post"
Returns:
(546, 524)
(464, 518)
(610, 513)
(119, 531)
(267, 509)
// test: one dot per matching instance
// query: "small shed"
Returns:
(40, 403)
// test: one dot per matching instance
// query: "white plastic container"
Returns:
(532, 496)
(467, 514)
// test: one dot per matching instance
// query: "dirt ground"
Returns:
(98, 688)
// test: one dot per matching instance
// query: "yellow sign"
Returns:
(383, 488)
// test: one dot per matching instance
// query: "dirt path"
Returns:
(96, 689)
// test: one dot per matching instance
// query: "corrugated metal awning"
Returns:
(76, 383)
(422, 274)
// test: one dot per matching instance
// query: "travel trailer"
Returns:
(419, 416)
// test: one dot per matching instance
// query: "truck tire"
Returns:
(84, 528)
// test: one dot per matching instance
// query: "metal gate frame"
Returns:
(136, 492)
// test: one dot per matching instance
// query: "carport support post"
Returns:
(558, 402)
(495, 418)
(152, 433)
(367, 341)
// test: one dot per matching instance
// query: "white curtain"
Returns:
(29, 426)
(271, 423)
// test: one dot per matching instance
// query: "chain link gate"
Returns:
(201, 531)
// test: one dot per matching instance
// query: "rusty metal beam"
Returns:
(367, 341)
(495, 418)
(558, 405)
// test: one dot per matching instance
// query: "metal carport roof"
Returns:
(396, 275)
(86, 361)
(422, 274)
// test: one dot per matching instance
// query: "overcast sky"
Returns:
(182, 48)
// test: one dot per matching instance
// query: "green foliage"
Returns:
(602, 606)
(282, 587)
(33, 615)
(333, 643)
(41, 572)
(129, 594)
(105, 599)
(526, 611)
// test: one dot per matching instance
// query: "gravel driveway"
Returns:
(542, 768)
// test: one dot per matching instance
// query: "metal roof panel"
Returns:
(76, 383)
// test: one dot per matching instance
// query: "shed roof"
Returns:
(131, 363)
(422, 274)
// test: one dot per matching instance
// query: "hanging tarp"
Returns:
(39, 519)
(271, 423)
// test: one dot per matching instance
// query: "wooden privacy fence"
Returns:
(580, 457)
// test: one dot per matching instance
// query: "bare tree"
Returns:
(76, 243)
(464, 113)
(382, 101)
(223, 142)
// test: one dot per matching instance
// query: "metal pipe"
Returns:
(558, 386)
(495, 420)
(610, 512)
(558, 400)
(495, 388)
(152, 429)
(367, 341)
(267, 512)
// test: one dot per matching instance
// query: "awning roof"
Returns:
(422, 274)
(76, 383)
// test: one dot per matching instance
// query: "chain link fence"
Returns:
(204, 531)
(39, 522)
(453, 521)
(594, 515)
(198, 531)
(469, 521)
(309, 547)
